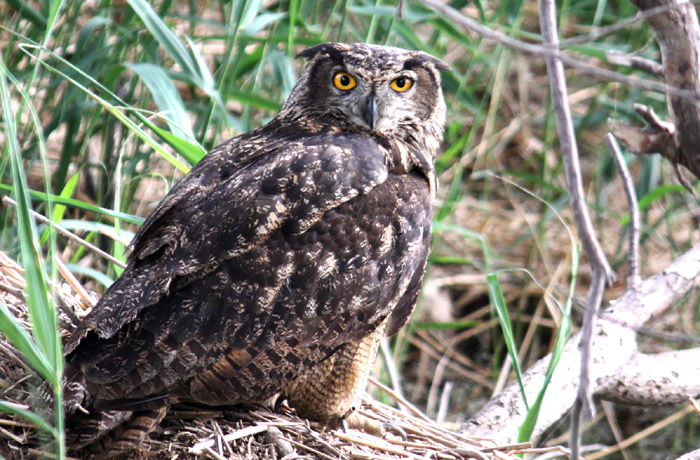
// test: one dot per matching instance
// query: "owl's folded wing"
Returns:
(230, 203)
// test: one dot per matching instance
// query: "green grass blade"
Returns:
(41, 312)
(293, 9)
(60, 210)
(651, 197)
(452, 325)
(97, 275)
(192, 64)
(167, 39)
(563, 335)
(27, 11)
(190, 151)
(20, 339)
(80, 205)
(496, 296)
(166, 97)
(472, 235)
(31, 417)
(116, 112)
(205, 80)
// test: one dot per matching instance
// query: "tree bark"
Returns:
(675, 26)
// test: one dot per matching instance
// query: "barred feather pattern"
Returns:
(275, 266)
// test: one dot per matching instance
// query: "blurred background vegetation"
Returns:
(106, 104)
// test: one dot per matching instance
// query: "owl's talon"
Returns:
(342, 421)
(278, 404)
(390, 427)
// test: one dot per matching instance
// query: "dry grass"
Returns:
(513, 148)
(254, 432)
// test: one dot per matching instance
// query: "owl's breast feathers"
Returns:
(275, 250)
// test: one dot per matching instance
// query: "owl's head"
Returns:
(375, 88)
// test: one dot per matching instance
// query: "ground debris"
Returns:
(228, 433)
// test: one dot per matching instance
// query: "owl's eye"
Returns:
(401, 84)
(344, 81)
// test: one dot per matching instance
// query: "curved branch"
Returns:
(501, 418)
(654, 380)
(677, 31)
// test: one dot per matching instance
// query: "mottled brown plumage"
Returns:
(279, 261)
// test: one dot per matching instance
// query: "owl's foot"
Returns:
(370, 426)
(128, 436)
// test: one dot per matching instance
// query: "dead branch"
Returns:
(654, 380)
(677, 31)
(633, 278)
(694, 455)
(637, 62)
(602, 272)
(617, 362)
(540, 50)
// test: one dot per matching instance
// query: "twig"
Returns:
(657, 137)
(642, 434)
(518, 446)
(42, 454)
(695, 403)
(390, 365)
(373, 442)
(633, 278)
(602, 271)
(69, 235)
(310, 449)
(211, 453)
(600, 32)
(242, 433)
(14, 437)
(74, 283)
(444, 402)
(399, 399)
(530, 48)
(677, 32)
(609, 410)
(637, 62)
(501, 418)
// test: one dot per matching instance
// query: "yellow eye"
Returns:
(344, 81)
(401, 84)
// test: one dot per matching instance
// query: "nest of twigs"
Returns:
(232, 433)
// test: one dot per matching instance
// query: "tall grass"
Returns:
(105, 106)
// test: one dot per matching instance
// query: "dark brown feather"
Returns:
(285, 252)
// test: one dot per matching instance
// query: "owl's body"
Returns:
(276, 265)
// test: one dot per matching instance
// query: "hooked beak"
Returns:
(371, 113)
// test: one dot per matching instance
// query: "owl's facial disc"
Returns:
(375, 101)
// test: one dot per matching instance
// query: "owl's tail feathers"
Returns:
(84, 429)
(110, 434)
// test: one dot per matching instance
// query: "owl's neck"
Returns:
(411, 147)
(409, 154)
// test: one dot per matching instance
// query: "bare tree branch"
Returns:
(677, 31)
(654, 379)
(531, 48)
(502, 417)
(602, 271)
(636, 62)
(694, 455)
(633, 278)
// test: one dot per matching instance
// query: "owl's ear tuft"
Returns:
(330, 50)
(439, 64)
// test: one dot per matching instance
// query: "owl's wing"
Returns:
(257, 321)
(230, 202)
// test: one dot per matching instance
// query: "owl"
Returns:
(277, 264)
